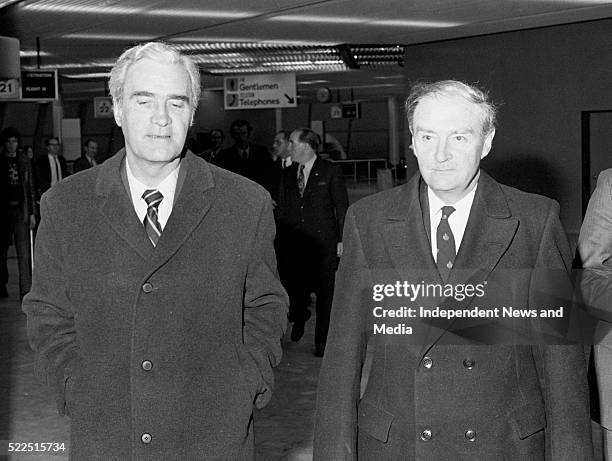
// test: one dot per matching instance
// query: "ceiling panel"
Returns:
(94, 32)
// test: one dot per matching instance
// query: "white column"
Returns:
(58, 115)
(394, 140)
(278, 113)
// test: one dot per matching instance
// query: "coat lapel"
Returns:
(192, 201)
(195, 187)
(313, 177)
(404, 233)
(489, 232)
(117, 207)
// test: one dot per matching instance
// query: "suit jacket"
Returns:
(319, 214)
(175, 341)
(82, 163)
(595, 251)
(42, 173)
(257, 167)
(438, 394)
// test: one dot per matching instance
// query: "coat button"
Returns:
(147, 365)
(470, 435)
(427, 362)
(147, 287)
(426, 435)
(469, 363)
(146, 438)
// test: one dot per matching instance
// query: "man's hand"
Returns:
(339, 249)
(32, 221)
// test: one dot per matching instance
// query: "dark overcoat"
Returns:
(42, 172)
(317, 215)
(444, 393)
(157, 353)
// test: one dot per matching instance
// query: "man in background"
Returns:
(216, 145)
(246, 158)
(49, 169)
(88, 157)
(312, 202)
(155, 313)
(17, 200)
(595, 284)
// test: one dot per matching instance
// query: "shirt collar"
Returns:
(167, 187)
(463, 205)
(309, 163)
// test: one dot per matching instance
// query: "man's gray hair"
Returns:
(470, 93)
(159, 52)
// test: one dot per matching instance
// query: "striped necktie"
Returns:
(153, 198)
(301, 180)
(446, 244)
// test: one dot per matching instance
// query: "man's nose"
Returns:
(160, 115)
(441, 153)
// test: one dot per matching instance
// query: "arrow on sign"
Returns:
(289, 99)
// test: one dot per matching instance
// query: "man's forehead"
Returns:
(149, 76)
(453, 109)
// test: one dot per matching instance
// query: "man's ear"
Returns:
(488, 142)
(117, 113)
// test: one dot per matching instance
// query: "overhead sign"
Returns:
(9, 88)
(39, 85)
(103, 107)
(262, 91)
(351, 110)
(335, 111)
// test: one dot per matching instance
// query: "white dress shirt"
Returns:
(56, 169)
(167, 188)
(457, 220)
(307, 169)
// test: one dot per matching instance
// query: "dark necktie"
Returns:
(301, 180)
(446, 244)
(151, 223)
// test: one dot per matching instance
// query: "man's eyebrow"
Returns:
(180, 97)
(141, 93)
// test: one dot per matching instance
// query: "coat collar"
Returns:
(192, 201)
(490, 231)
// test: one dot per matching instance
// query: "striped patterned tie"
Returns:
(151, 223)
(446, 244)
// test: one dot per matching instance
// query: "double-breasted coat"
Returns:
(437, 394)
(157, 352)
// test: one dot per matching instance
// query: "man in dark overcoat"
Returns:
(245, 157)
(49, 169)
(311, 205)
(448, 389)
(155, 322)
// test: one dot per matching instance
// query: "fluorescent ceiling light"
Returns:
(32, 53)
(70, 7)
(353, 20)
(218, 14)
(414, 23)
(110, 36)
(203, 40)
(313, 82)
(4, 3)
(88, 75)
(318, 19)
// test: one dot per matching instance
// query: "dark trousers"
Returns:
(17, 230)
(308, 266)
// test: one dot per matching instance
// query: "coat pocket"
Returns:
(248, 371)
(528, 419)
(374, 421)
